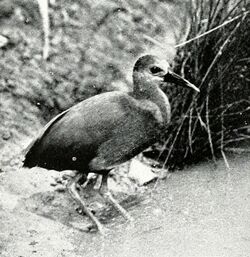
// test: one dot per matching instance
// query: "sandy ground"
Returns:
(200, 211)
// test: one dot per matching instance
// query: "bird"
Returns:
(106, 130)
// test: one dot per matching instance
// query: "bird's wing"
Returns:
(139, 130)
(31, 149)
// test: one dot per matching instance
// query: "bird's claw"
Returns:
(101, 229)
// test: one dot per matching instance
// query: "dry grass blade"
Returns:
(208, 129)
(44, 10)
(225, 159)
(154, 41)
(190, 131)
(221, 50)
(212, 30)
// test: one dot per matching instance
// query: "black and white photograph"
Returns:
(124, 128)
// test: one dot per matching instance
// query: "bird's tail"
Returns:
(30, 153)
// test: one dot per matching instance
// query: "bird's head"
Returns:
(154, 69)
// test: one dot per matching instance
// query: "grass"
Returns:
(215, 58)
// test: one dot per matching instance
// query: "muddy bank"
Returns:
(200, 211)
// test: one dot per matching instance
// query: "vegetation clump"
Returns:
(216, 59)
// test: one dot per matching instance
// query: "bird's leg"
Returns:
(89, 183)
(72, 187)
(107, 195)
(62, 180)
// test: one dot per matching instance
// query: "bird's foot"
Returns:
(101, 229)
(60, 182)
(108, 195)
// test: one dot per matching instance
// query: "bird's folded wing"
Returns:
(43, 131)
(127, 141)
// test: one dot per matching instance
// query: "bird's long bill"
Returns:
(178, 80)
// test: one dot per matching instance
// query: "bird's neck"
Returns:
(146, 89)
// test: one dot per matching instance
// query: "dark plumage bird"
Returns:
(108, 129)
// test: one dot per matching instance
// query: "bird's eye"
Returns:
(155, 69)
